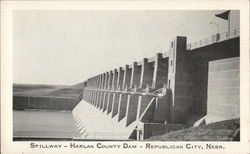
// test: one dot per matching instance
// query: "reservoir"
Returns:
(42, 124)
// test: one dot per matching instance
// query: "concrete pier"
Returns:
(132, 101)
(117, 84)
(106, 94)
(124, 97)
(110, 94)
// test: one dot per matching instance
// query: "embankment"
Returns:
(44, 103)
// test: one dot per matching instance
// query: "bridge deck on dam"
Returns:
(39, 124)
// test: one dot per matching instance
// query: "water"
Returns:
(44, 124)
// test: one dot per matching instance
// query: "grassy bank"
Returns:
(219, 131)
(49, 97)
(39, 90)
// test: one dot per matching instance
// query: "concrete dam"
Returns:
(176, 89)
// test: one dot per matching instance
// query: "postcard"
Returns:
(125, 77)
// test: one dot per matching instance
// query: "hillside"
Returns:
(47, 90)
(219, 131)
(46, 97)
(78, 85)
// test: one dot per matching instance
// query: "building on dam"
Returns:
(187, 85)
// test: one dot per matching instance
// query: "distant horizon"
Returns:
(46, 84)
(52, 47)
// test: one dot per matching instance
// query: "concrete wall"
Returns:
(223, 90)
(171, 88)
(180, 82)
(188, 76)
(200, 72)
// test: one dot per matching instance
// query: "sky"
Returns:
(65, 47)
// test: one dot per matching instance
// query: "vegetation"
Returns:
(219, 131)
(47, 90)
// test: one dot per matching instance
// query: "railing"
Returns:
(228, 35)
(102, 135)
(213, 39)
(160, 92)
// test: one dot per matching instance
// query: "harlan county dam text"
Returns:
(126, 146)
